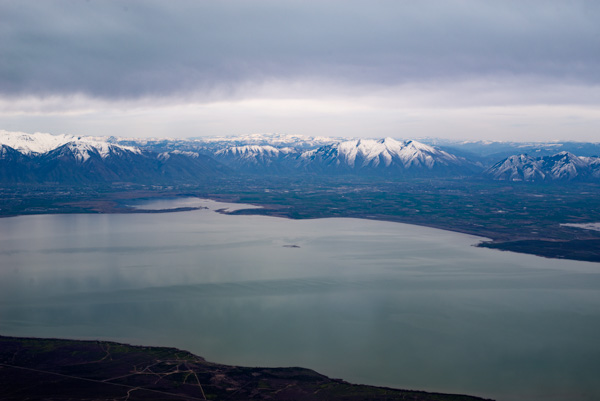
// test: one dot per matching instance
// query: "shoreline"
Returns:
(72, 369)
(584, 250)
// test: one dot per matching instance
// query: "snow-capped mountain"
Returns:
(65, 159)
(177, 153)
(594, 165)
(517, 168)
(561, 166)
(254, 154)
(82, 151)
(258, 158)
(37, 143)
(272, 139)
(364, 156)
(212, 144)
(489, 152)
(566, 166)
(43, 158)
(40, 143)
(388, 154)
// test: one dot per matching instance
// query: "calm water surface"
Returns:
(370, 302)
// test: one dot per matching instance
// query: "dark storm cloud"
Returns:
(129, 49)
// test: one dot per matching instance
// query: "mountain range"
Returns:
(560, 166)
(44, 158)
(66, 159)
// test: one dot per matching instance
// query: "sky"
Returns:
(456, 69)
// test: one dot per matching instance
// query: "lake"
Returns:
(367, 301)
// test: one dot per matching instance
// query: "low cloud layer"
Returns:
(403, 54)
(119, 49)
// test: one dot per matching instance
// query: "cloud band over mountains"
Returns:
(486, 53)
(137, 48)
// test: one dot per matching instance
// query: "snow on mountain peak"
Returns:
(167, 155)
(360, 153)
(37, 143)
(254, 155)
(273, 139)
(517, 168)
(249, 151)
(41, 143)
(560, 166)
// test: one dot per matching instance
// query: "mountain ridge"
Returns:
(42, 157)
(562, 166)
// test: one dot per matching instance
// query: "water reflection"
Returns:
(371, 302)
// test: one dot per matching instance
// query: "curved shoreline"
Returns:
(584, 249)
(74, 369)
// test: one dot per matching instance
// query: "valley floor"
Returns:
(519, 217)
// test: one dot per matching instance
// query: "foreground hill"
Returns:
(100, 370)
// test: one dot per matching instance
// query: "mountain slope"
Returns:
(258, 158)
(563, 166)
(45, 158)
(517, 168)
(40, 158)
(14, 165)
(383, 156)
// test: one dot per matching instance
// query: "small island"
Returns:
(53, 369)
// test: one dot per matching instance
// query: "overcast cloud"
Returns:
(65, 64)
